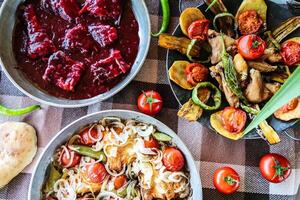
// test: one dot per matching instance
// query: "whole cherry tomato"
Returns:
(251, 47)
(173, 159)
(274, 167)
(69, 159)
(119, 181)
(249, 22)
(151, 143)
(150, 102)
(94, 172)
(290, 52)
(234, 119)
(195, 73)
(226, 180)
(86, 134)
(198, 29)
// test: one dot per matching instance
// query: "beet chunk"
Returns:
(66, 9)
(39, 43)
(105, 9)
(109, 68)
(63, 71)
(78, 38)
(103, 34)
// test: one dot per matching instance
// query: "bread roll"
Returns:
(18, 145)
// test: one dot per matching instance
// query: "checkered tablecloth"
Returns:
(210, 150)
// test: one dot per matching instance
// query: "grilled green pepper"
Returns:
(166, 17)
(88, 151)
(217, 96)
(54, 175)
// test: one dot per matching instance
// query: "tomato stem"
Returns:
(230, 180)
(279, 170)
(150, 100)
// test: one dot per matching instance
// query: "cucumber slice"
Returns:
(162, 137)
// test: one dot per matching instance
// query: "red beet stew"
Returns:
(75, 50)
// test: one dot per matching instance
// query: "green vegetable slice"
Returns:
(162, 137)
(225, 14)
(230, 74)
(54, 175)
(88, 151)
(188, 53)
(249, 109)
(18, 112)
(217, 97)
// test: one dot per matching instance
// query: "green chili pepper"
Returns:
(249, 109)
(225, 14)
(230, 74)
(54, 175)
(217, 96)
(88, 151)
(211, 5)
(17, 112)
(188, 53)
(166, 17)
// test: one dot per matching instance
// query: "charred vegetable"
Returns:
(285, 28)
(180, 44)
(217, 96)
(177, 74)
(290, 51)
(289, 111)
(187, 17)
(252, 16)
(192, 112)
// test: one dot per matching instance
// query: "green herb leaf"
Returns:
(289, 90)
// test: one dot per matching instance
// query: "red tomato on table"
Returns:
(274, 167)
(226, 180)
(251, 47)
(150, 102)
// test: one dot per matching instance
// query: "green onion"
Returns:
(289, 90)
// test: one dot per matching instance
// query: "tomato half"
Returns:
(290, 52)
(94, 172)
(198, 29)
(290, 106)
(173, 159)
(249, 22)
(151, 143)
(150, 102)
(274, 167)
(119, 181)
(195, 73)
(251, 47)
(69, 159)
(86, 134)
(226, 180)
(234, 119)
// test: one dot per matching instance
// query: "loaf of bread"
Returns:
(18, 146)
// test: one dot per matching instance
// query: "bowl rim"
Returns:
(114, 112)
(100, 97)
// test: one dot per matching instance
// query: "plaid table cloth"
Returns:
(210, 150)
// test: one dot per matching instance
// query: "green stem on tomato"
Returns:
(230, 180)
(217, 96)
(17, 112)
(279, 170)
(166, 17)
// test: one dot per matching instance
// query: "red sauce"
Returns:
(56, 27)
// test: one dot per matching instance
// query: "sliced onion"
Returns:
(108, 194)
(145, 130)
(114, 173)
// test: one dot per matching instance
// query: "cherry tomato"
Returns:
(291, 105)
(94, 173)
(85, 136)
(274, 167)
(234, 119)
(290, 52)
(119, 181)
(251, 47)
(198, 29)
(173, 159)
(151, 143)
(226, 180)
(196, 73)
(249, 22)
(65, 158)
(150, 102)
